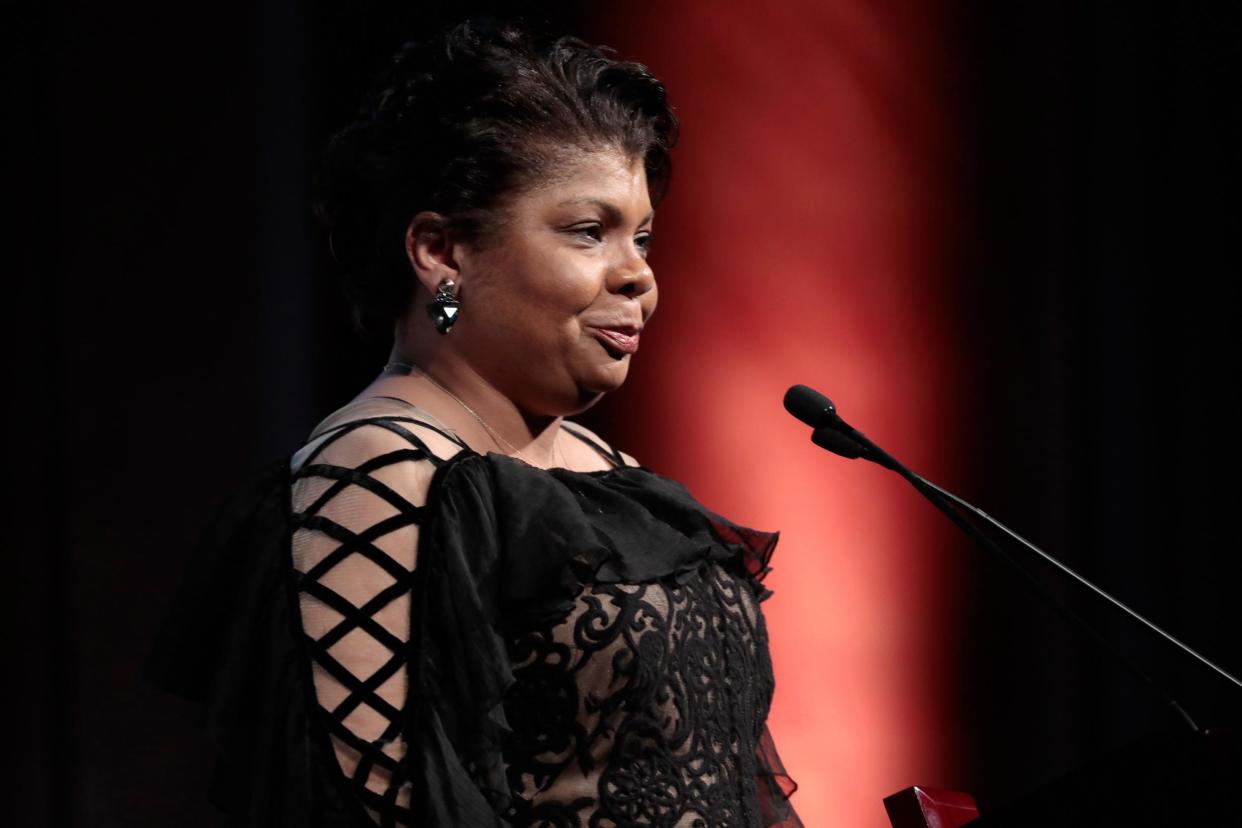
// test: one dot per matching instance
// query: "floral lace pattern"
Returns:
(644, 707)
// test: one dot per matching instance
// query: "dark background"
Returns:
(1107, 147)
(168, 296)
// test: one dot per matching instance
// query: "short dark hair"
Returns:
(457, 122)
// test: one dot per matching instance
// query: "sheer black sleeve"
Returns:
(358, 497)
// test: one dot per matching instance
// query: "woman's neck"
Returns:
(452, 390)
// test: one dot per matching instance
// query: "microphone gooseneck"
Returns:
(834, 434)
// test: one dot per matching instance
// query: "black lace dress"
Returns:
(389, 628)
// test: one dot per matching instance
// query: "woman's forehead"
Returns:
(596, 178)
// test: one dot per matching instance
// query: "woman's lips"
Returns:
(626, 343)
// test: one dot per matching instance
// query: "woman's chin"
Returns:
(605, 378)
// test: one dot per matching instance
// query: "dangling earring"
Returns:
(443, 309)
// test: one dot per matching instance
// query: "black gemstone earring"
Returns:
(443, 309)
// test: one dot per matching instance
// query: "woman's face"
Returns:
(553, 304)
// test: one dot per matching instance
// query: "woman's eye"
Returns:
(595, 232)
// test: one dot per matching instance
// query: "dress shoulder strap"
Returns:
(370, 410)
(370, 407)
(382, 407)
(607, 452)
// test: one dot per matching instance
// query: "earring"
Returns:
(443, 309)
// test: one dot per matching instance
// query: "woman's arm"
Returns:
(357, 506)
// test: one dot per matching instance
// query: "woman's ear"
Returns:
(431, 250)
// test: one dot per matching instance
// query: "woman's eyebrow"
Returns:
(612, 211)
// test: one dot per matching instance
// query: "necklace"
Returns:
(496, 436)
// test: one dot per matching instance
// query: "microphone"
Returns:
(817, 411)
(836, 435)
(831, 432)
(810, 406)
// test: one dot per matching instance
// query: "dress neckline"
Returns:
(466, 449)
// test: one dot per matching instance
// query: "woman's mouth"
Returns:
(617, 342)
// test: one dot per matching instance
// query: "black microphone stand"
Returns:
(834, 434)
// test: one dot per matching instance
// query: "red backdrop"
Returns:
(809, 237)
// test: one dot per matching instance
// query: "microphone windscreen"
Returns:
(837, 443)
(809, 406)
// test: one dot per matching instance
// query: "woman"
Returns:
(476, 612)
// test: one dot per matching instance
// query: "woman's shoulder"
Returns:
(368, 428)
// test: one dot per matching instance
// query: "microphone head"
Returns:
(810, 406)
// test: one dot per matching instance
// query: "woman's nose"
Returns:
(633, 277)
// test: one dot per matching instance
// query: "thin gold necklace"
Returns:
(496, 436)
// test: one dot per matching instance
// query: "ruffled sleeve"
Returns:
(460, 670)
(566, 529)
